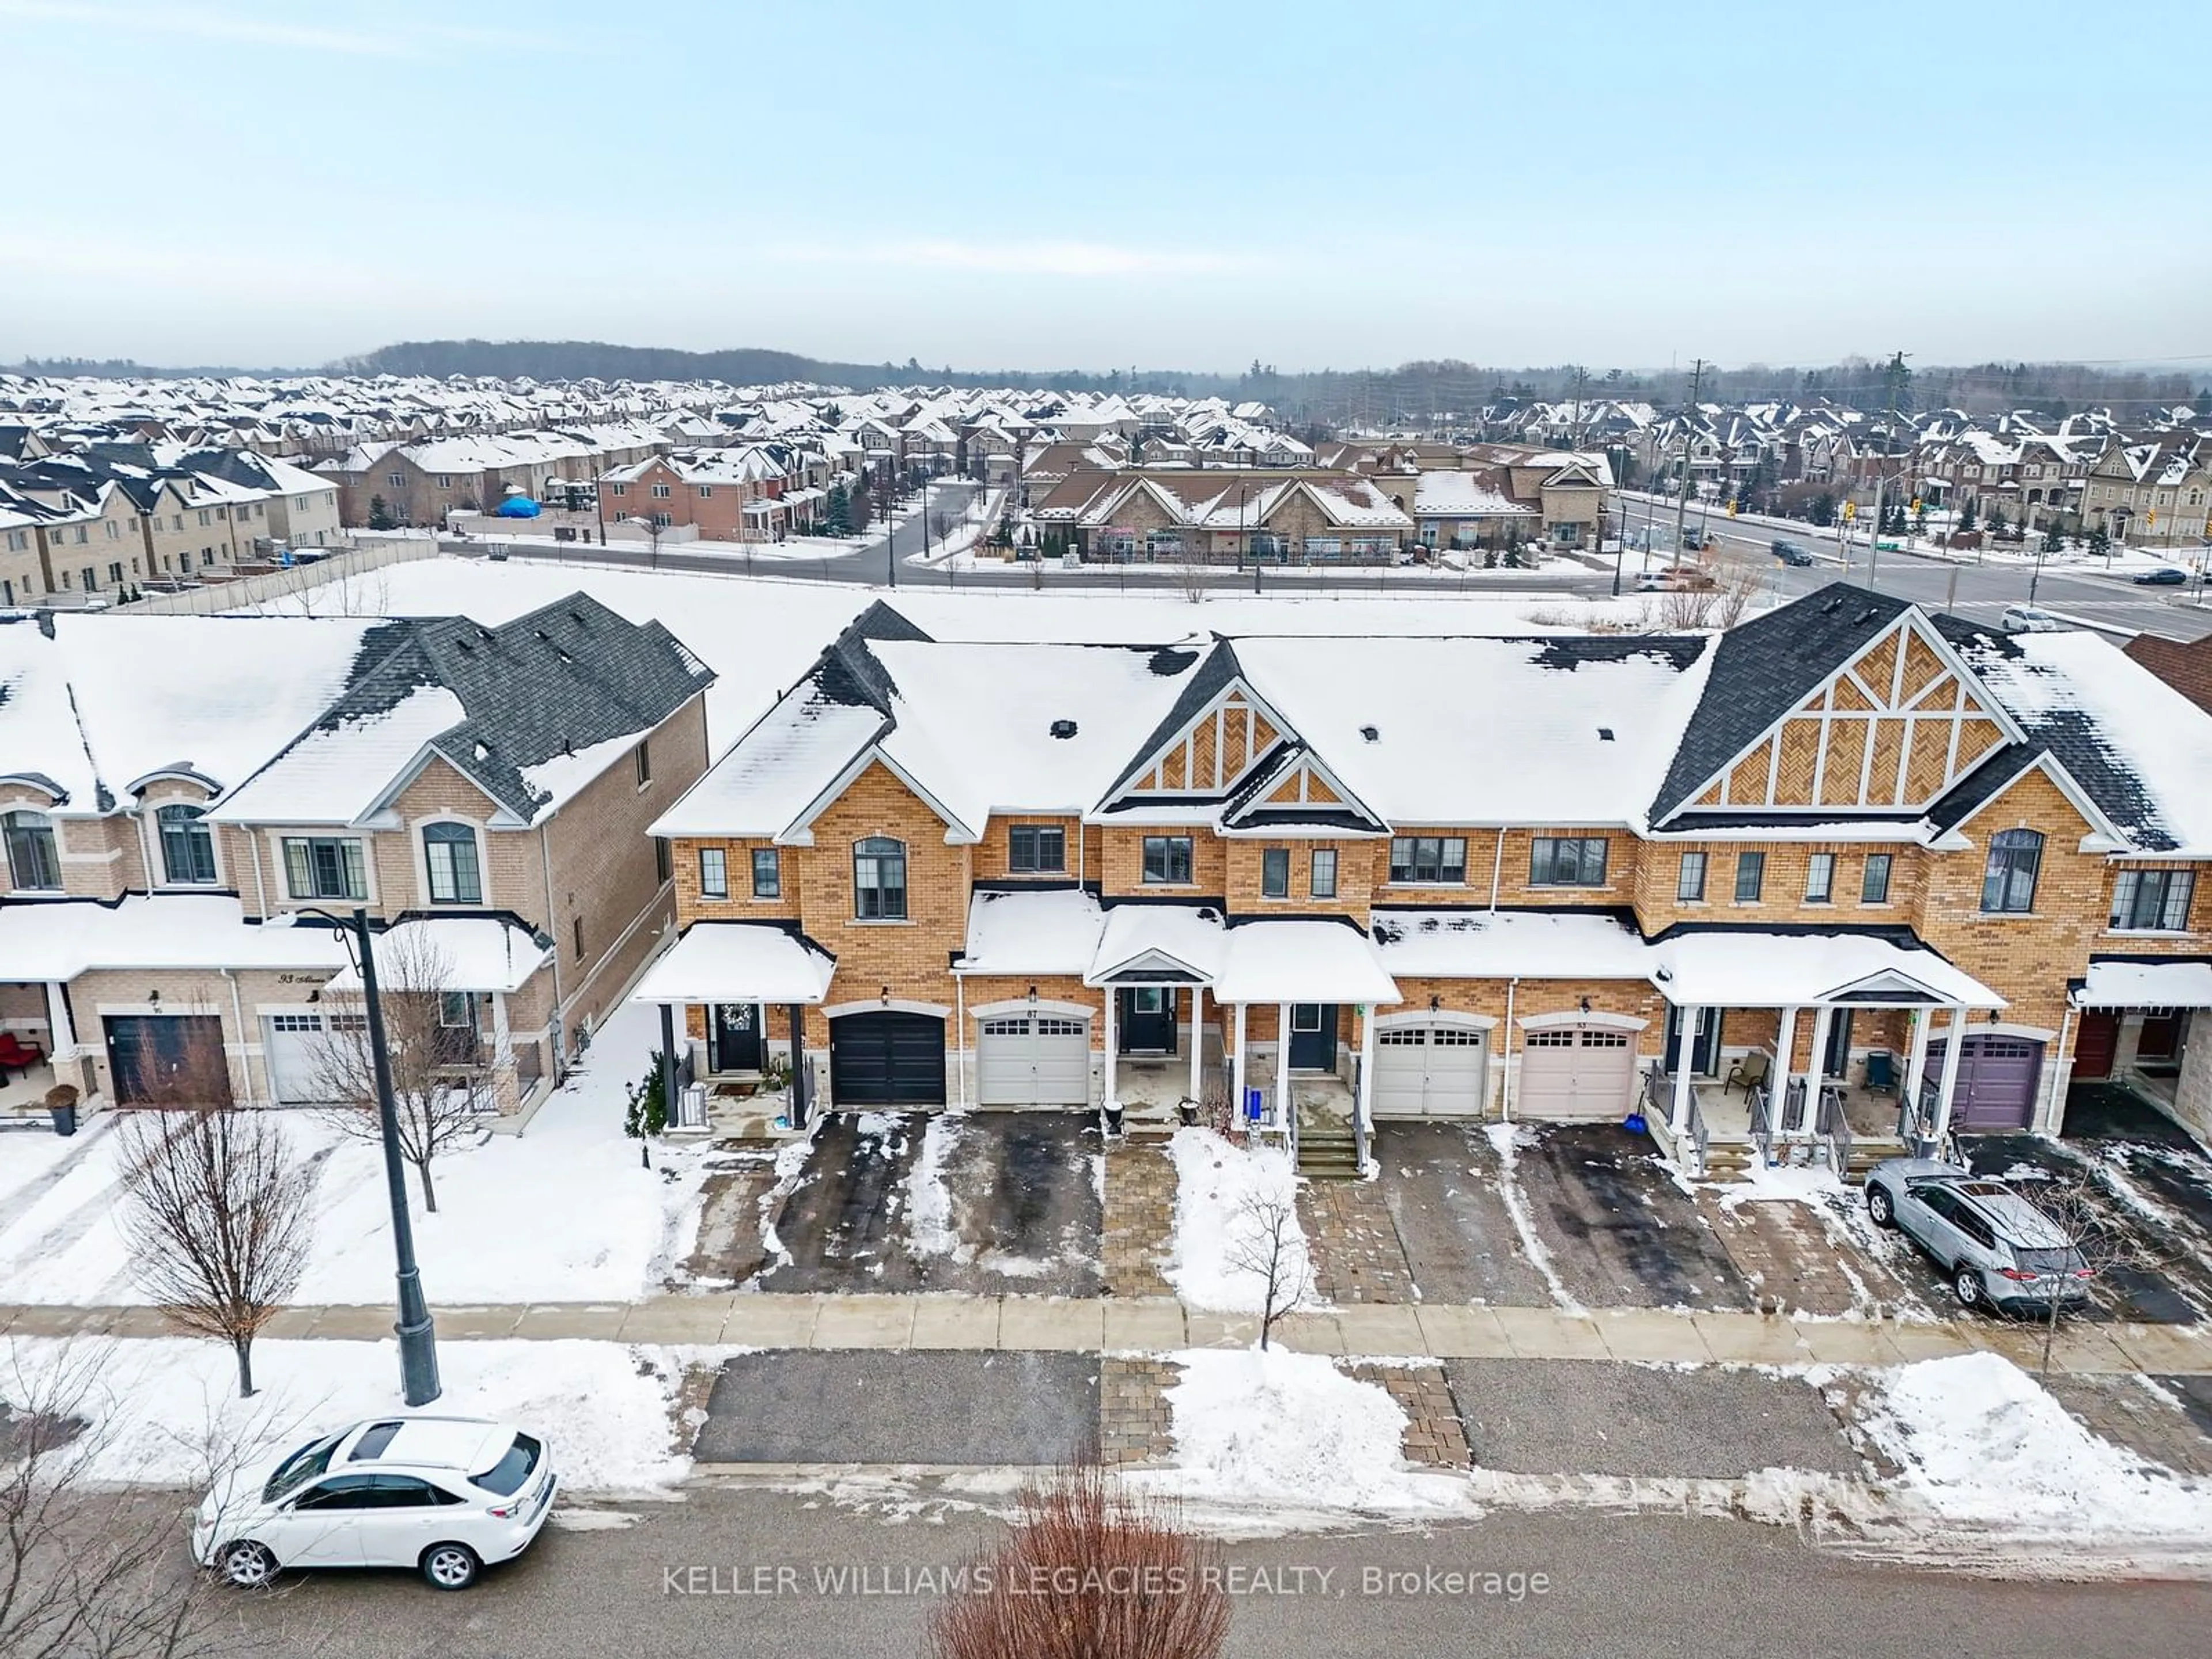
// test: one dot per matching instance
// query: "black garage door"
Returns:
(167, 1059)
(887, 1060)
(1996, 1081)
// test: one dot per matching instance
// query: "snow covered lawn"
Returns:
(562, 1212)
(1981, 1443)
(167, 1409)
(1215, 1184)
(1289, 1429)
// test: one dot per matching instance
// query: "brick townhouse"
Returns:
(179, 794)
(1545, 877)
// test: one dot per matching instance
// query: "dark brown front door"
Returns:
(2095, 1043)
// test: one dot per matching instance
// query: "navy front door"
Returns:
(1147, 1014)
(1705, 1046)
(1312, 1037)
(733, 1037)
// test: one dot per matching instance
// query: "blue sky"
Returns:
(1128, 184)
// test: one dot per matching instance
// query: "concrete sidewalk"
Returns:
(1160, 1324)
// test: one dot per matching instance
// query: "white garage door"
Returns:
(1575, 1072)
(291, 1044)
(1430, 1071)
(1033, 1059)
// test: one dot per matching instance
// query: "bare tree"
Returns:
(2093, 1245)
(1088, 1572)
(1269, 1244)
(215, 1213)
(89, 1566)
(441, 1078)
(1190, 576)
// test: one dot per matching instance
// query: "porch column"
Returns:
(1198, 1042)
(799, 1078)
(1915, 1059)
(1778, 1075)
(668, 1106)
(1283, 1066)
(1955, 1042)
(1685, 1050)
(1823, 1017)
(1236, 1067)
(1106, 1086)
(502, 1036)
(1362, 1110)
(61, 1030)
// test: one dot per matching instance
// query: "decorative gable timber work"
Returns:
(1214, 751)
(1894, 728)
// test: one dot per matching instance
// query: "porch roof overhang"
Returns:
(1051, 931)
(2144, 985)
(738, 962)
(467, 953)
(1158, 945)
(57, 940)
(1302, 962)
(1510, 945)
(1736, 967)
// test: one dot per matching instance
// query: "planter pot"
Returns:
(1187, 1111)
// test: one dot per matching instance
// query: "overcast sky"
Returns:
(1156, 185)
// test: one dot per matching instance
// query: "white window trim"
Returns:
(280, 889)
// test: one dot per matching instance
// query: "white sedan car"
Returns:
(445, 1496)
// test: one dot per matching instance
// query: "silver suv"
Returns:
(1997, 1250)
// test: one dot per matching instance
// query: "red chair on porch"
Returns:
(17, 1055)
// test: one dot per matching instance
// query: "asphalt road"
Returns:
(1653, 1587)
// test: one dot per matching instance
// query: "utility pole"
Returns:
(1874, 532)
(1682, 495)
(418, 1342)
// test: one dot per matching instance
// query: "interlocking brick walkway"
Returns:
(1353, 1242)
(1134, 1422)
(1139, 1220)
(1435, 1432)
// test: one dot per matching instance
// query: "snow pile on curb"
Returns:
(1980, 1442)
(1215, 1182)
(1290, 1428)
(165, 1408)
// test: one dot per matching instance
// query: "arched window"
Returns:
(449, 853)
(2008, 881)
(187, 846)
(33, 862)
(879, 879)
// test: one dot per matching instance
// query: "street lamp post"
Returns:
(418, 1339)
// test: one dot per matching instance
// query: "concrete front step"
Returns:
(1326, 1155)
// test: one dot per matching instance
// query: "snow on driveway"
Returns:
(166, 1410)
(562, 1212)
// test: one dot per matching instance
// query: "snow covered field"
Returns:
(166, 1411)
(561, 1213)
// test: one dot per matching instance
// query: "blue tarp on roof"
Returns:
(516, 507)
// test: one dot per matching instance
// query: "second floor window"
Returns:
(879, 879)
(1036, 849)
(1873, 882)
(33, 861)
(644, 764)
(1821, 879)
(713, 873)
(1566, 862)
(1429, 858)
(2152, 901)
(1275, 872)
(1323, 883)
(1690, 880)
(449, 854)
(768, 873)
(324, 867)
(1750, 877)
(187, 846)
(2008, 879)
(1167, 861)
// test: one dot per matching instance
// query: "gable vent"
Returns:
(1371, 733)
(1063, 728)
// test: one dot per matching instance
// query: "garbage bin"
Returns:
(65, 1119)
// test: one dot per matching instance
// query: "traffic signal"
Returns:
(1851, 509)
(1731, 509)
(1916, 503)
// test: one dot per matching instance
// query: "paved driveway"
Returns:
(988, 1203)
(1441, 1183)
(789, 1406)
(1618, 1231)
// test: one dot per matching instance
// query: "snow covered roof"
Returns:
(469, 953)
(1053, 931)
(738, 962)
(1302, 962)
(60, 938)
(1742, 968)
(1159, 941)
(1503, 944)
(2146, 985)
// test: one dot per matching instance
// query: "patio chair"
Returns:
(17, 1055)
(1748, 1073)
(1880, 1072)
